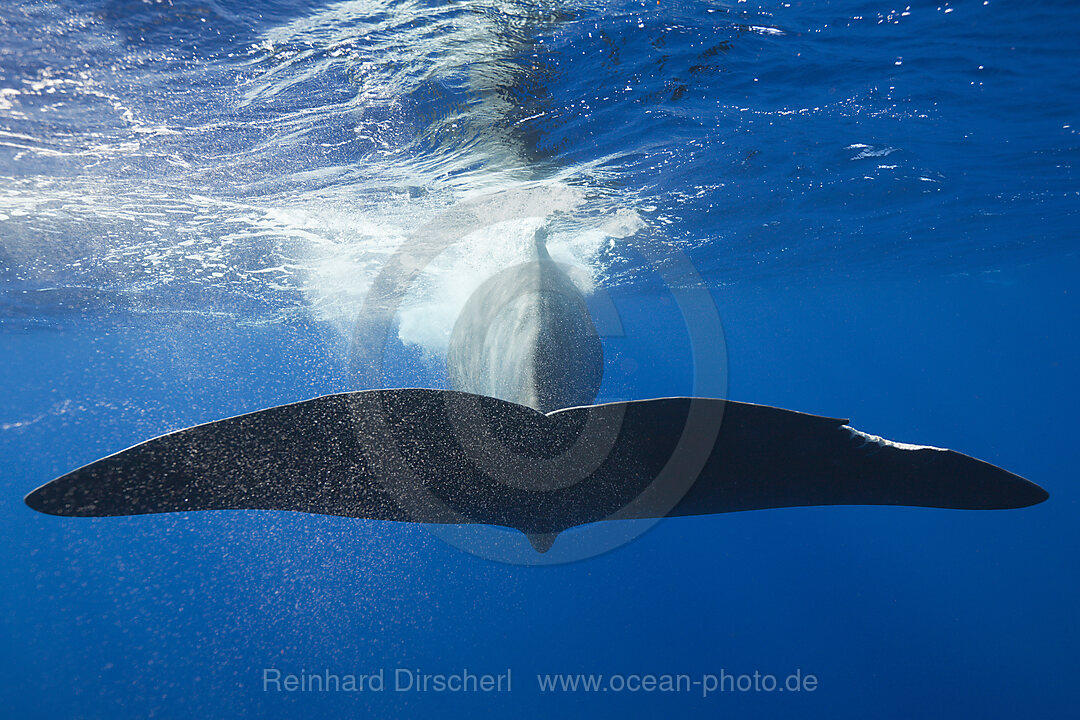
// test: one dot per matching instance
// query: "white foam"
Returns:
(343, 255)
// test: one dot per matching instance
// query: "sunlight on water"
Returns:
(264, 165)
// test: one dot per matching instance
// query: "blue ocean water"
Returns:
(882, 200)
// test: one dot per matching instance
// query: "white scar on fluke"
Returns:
(519, 443)
(863, 438)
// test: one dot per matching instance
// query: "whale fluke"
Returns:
(518, 443)
(541, 542)
(439, 456)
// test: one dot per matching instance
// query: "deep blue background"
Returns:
(933, 302)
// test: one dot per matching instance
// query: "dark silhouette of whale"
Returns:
(541, 459)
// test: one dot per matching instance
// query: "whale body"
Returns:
(526, 336)
(518, 443)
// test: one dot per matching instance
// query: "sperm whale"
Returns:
(525, 336)
(518, 442)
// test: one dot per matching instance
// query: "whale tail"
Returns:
(437, 456)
